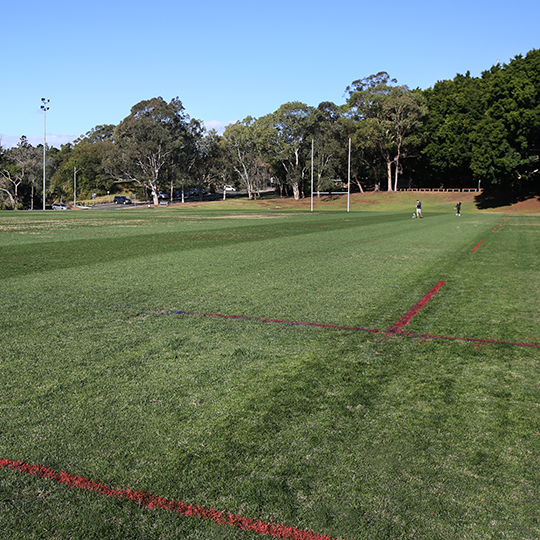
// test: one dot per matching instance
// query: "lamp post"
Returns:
(44, 108)
(349, 179)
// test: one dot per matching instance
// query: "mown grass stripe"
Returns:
(151, 501)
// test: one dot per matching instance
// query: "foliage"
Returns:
(507, 139)
(455, 109)
(84, 163)
(385, 118)
(487, 129)
(208, 161)
(286, 136)
(148, 143)
(329, 146)
(21, 165)
(243, 146)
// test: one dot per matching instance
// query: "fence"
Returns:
(443, 190)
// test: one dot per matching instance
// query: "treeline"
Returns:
(461, 133)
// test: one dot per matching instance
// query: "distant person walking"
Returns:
(418, 209)
(458, 209)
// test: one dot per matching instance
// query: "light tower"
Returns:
(44, 108)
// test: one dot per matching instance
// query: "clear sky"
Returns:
(229, 59)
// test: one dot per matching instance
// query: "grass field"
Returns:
(153, 350)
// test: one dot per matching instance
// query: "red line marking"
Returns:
(495, 228)
(477, 245)
(389, 332)
(149, 500)
(296, 323)
(406, 319)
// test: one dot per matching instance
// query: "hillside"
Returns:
(381, 202)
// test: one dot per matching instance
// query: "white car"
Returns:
(230, 188)
(60, 206)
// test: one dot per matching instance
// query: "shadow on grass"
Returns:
(497, 198)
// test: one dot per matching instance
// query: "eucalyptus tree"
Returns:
(387, 117)
(286, 136)
(207, 164)
(148, 143)
(330, 146)
(20, 167)
(244, 144)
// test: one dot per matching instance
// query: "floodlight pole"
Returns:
(44, 108)
(312, 143)
(349, 178)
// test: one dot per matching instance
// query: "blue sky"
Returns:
(230, 59)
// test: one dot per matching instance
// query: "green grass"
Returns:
(350, 434)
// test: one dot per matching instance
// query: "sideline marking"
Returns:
(477, 245)
(495, 228)
(149, 500)
(406, 319)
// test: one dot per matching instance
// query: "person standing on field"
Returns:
(418, 209)
(458, 209)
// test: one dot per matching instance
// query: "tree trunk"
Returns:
(296, 191)
(389, 174)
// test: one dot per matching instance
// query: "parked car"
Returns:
(162, 195)
(60, 206)
(121, 199)
(230, 188)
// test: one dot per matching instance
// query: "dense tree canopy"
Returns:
(387, 119)
(487, 129)
(459, 133)
(148, 143)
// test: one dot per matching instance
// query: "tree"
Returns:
(87, 157)
(243, 148)
(487, 128)
(207, 165)
(189, 154)
(455, 109)
(21, 165)
(286, 137)
(148, 143)
(387, 117)
(330, 145)
(506, 141)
